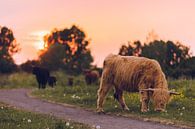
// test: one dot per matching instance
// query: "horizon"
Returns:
(107, 24)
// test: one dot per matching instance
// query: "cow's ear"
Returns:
(173, 93)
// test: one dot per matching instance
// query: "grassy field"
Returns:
(179, 110)
(17, 80)
(11, 118)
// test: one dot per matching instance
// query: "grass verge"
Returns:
(11, 118)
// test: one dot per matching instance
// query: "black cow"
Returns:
(42, 75)
(70, 81)
(52, 81)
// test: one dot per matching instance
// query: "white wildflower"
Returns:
(71, 127)
(2, 107)
(183, 108)
(29, 121)
(77, 97)
(181, 114)
(73, 96)
(67, 124)
(115, 106)
(64, 94)
(97, 127)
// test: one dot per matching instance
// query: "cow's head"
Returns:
(160, 97)
(35, 70)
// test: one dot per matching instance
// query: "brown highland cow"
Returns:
(134, 74)
(91, 76)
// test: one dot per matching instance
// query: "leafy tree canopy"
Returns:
(171, 55)
(66, 49)
(8, 47)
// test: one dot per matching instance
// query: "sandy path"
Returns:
(20, 99)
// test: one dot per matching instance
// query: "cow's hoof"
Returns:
(144, 110)
(100, 111)
(126, 109)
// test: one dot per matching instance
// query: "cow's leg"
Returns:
(39, 86)
(44, 86)
(144, 99)
(119, 96)
(102, 92)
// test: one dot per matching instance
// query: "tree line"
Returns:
(174, 57)
(68, 50)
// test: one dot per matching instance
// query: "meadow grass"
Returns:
(11, 118)
(17, 80)
(179, 110)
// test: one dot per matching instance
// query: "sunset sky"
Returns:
(107, 23)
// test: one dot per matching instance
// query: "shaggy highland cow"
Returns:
(52, 81)
(42, 76)
(134, 74)
(91, 76)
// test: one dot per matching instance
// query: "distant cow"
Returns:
(42, 75)
(70, 81)
(134, 74)
(91, 76)
(52, 81)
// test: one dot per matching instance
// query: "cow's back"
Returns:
(130, 72)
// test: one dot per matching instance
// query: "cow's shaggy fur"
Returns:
(133, 74)
(91, 76)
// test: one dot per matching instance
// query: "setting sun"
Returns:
(38, 36)
(39, 45)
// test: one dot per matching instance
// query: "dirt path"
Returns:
(20, 99)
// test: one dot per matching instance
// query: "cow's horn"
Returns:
(174, 93)
(149, 89)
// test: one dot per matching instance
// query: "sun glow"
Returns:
(38, 36)
(39, 45)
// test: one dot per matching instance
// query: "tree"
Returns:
(170, 55)
(188, 67)
(8, 47)
(156, 50)
(28, 65)
(66, 49)
(132, 49)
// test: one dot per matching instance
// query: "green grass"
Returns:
(11, 118)
(180, 109)
(17, 80)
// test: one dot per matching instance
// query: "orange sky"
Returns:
(108, 23)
